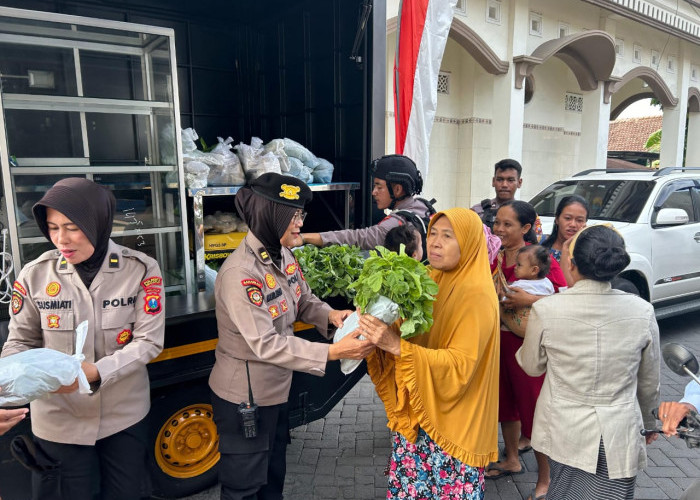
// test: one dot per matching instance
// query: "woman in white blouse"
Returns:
(599, 348)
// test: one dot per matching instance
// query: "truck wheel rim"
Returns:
(188, 443)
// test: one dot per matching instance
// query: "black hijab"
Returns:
(266, 219)
(268, 205)
(89, 206)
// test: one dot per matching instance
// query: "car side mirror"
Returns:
(680, 360)
(671, 217)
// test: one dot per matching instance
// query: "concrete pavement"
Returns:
(344, 455)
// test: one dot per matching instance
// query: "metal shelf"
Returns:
(117, 233)
(198, 195)
(230, 190)
(81, 104)
(111, 169)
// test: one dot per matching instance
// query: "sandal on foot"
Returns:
(501, 472)
(524, 449)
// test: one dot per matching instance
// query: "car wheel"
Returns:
(625, 285)
(184, 442)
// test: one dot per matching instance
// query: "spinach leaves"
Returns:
(330, 270)
(403, 280)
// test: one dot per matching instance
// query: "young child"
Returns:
(409, 236)
(531, 266)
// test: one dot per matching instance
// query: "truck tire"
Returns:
(625, 285)
(183, 442)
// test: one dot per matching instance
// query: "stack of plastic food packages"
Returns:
(224, 222)
(222, 167)
(284, 156)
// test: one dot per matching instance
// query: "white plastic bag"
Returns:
(231, 172)
(276, 147)
(262, 165)
(382, 309)
(196, 174)
(29, 375)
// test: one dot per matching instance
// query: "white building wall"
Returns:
(461, 149)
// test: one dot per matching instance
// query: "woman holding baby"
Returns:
(518, 392)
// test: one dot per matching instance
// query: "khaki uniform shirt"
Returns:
(126, 324)
(257, 304)
(369, 238)
(600, 350)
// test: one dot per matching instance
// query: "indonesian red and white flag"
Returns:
(420, 43)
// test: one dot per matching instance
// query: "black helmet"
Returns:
(398, 169)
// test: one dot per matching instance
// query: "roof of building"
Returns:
(630, 134)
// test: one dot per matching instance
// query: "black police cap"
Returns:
(283, 189)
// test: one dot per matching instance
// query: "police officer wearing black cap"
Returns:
(260, 293)
(396, 181)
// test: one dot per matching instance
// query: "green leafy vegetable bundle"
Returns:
(403, 280)
(330, 270)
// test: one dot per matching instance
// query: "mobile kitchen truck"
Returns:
(101, 89)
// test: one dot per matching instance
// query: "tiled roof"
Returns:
(630, 134)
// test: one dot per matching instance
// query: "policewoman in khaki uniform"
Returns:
(119, 292)
(260, 293)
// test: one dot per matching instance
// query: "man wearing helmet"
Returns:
(396, 181)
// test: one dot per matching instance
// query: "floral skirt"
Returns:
(424, 471)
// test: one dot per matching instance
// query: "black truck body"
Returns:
(306, 69)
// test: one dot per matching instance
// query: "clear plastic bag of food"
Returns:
(276, 147)
(262, 165)
(196, 174)
(32, 374)
(230, 173)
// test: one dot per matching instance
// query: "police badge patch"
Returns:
(17, 302)
(53, 320)
(270, 281)
(152, 305)
(254, 295)
(53, 289)
(274, 311)
(124, 337)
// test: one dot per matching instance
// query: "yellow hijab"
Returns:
(446, 381)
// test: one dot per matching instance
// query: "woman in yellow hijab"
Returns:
(440, 389)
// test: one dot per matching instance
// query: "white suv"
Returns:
(658, 214)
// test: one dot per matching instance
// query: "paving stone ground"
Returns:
(344, 455)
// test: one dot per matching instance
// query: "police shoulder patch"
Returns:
(153, 281)
(17, 302)
(18, 286)
(152, 303)
(252, 282)
(254, 295)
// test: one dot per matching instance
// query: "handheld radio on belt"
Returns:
(249, 411)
